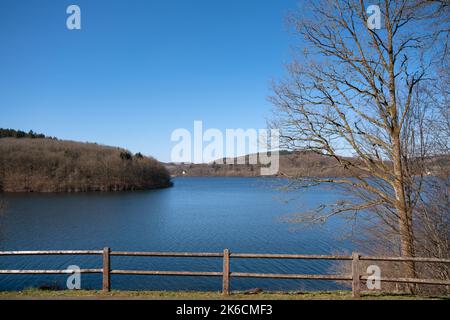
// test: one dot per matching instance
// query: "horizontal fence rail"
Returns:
(355, 277)
(49, 271)
(291, 276)
(405, 259)
(168, 254)
(50, 252)
(288, 256)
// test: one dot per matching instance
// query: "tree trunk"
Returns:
(404, 215)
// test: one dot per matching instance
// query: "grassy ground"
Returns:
(186, 295)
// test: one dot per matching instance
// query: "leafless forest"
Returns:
(50, 165)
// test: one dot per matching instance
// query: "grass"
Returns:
(195, 295)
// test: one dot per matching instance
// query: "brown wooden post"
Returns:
(106, 269)
(226, 272)
(356, 275)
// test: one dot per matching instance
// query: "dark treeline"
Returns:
(48, 165)
(11, 133)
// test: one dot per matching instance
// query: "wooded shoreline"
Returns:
(51, 165)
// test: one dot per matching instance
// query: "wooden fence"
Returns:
(355, 277)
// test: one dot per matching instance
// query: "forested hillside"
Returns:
(37, 164)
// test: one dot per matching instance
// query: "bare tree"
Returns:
(360, 96)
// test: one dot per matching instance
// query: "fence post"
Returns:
(356, 275)
(106, 269)
(226, 272)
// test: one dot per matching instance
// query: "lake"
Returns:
(198, 214)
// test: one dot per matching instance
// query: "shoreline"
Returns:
(32, 294)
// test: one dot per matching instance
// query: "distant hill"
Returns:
(292, 164)
(32, 163)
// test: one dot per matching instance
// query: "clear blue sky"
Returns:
(137, 70)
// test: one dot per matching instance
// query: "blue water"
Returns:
(196, 215)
